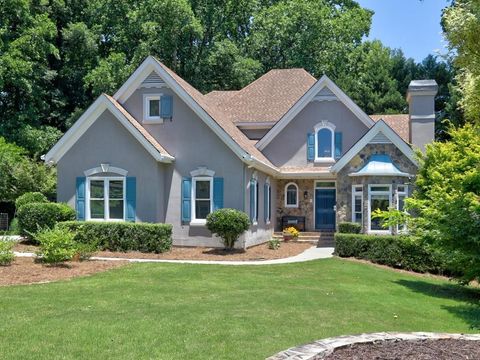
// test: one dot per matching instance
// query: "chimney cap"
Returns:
(422, 87)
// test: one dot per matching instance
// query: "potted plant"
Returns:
(290, 233)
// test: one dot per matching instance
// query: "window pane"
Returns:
(324, 139)
(97, 209)
(116, 209)
(202, 209)
(381, 202)
(401, 203)
(401, 188)
(96, 189)
(380, 188)
(325, 184)
(291, 195)
(202, 190)
(115, 189)
(358, 204)
(358, 218)
(154, 108)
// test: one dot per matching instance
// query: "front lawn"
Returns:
(170, 311)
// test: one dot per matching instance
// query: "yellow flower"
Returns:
(292, 231)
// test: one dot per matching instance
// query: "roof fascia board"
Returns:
(388, 132)
(305, 99)
(135, 80)
(87, 119)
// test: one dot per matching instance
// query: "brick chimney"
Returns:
(421, 101)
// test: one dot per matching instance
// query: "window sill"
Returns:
(324, 160)
(198, 222)
(291, 206)
(152, 121)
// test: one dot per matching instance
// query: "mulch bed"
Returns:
(445, 349)
(27, 271)
(259, 252)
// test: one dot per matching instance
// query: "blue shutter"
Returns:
(80, 198)
(266, 210)
(217, 193)
(310, 146)
(252, 200)
(186, 199)
(166, 106)
(131, 196)
(338, 145)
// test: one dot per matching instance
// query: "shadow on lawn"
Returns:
(468, 299)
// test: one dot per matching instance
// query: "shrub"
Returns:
(6, 252)
(30, 197)
(56, 245)
(84, 251)
(274, 244)
(349, 228)
(122, 236)
(395, 251)
(229, 224)
(35, 216)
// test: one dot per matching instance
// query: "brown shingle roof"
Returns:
(266, 99)
(219, 117)
(217, 97)
(139, 127)
(398, 122)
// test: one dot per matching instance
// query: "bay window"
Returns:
(379, 197)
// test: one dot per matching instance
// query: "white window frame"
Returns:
(286, 197)
(268, 209)
(147, 119)
(325, 125)
(403, 193)
(106, 197)
(389, 193)
(357, 193)
(194, 220)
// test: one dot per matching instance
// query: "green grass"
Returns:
(170, 311)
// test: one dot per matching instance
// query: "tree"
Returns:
(446, 201)
(461, 25)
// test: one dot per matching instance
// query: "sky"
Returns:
(412, 25)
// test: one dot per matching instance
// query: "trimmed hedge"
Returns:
(122, 236)
(395, 251)
(34, 216)
(30, 197)
(349, 228)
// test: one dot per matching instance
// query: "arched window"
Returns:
(324, 141)
(291, 195)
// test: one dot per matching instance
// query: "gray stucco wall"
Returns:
(345, 182)
(288, 148)
(108, 141)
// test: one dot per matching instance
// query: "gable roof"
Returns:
(399, 123)
(266, 99)
(105, 102)
(380, 126)
(218, 121)
(323, 82)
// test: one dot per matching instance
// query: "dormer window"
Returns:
(325, 142)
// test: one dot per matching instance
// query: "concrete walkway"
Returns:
(312, 253)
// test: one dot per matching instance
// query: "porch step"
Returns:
(320, 238)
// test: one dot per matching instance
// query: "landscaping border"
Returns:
(321, 348)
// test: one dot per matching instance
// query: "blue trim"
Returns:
(80, 197)
(338, 145)
(310, 146)
(186, 199)
(217, 193)
(166, 106)
(131, 196)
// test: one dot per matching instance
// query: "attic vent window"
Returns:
(151, 109)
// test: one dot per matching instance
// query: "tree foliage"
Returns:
(447, 198)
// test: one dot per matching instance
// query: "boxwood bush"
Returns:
(349, 228)
(395, 251)
(30, 197)
(122, 236)
(228, 224)
(35, 216)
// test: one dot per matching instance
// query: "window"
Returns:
(324, 141)
(379, 197)
(402, 193)
(106, 198)
(357, 203)
(152, 108)
(291, 195)
(268, 202)
(202, 192)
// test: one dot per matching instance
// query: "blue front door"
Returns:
(324, 209)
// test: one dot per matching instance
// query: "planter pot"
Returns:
(287, 237)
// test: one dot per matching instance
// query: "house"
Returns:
(286, 145)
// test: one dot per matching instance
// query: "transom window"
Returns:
(106, 198)
(324, 141)
(380, 197)
(357, 203)
(202, 196)
(152, 108)
(291, 195)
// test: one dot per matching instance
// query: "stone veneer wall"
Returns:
(345, 182)
(305, 207)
